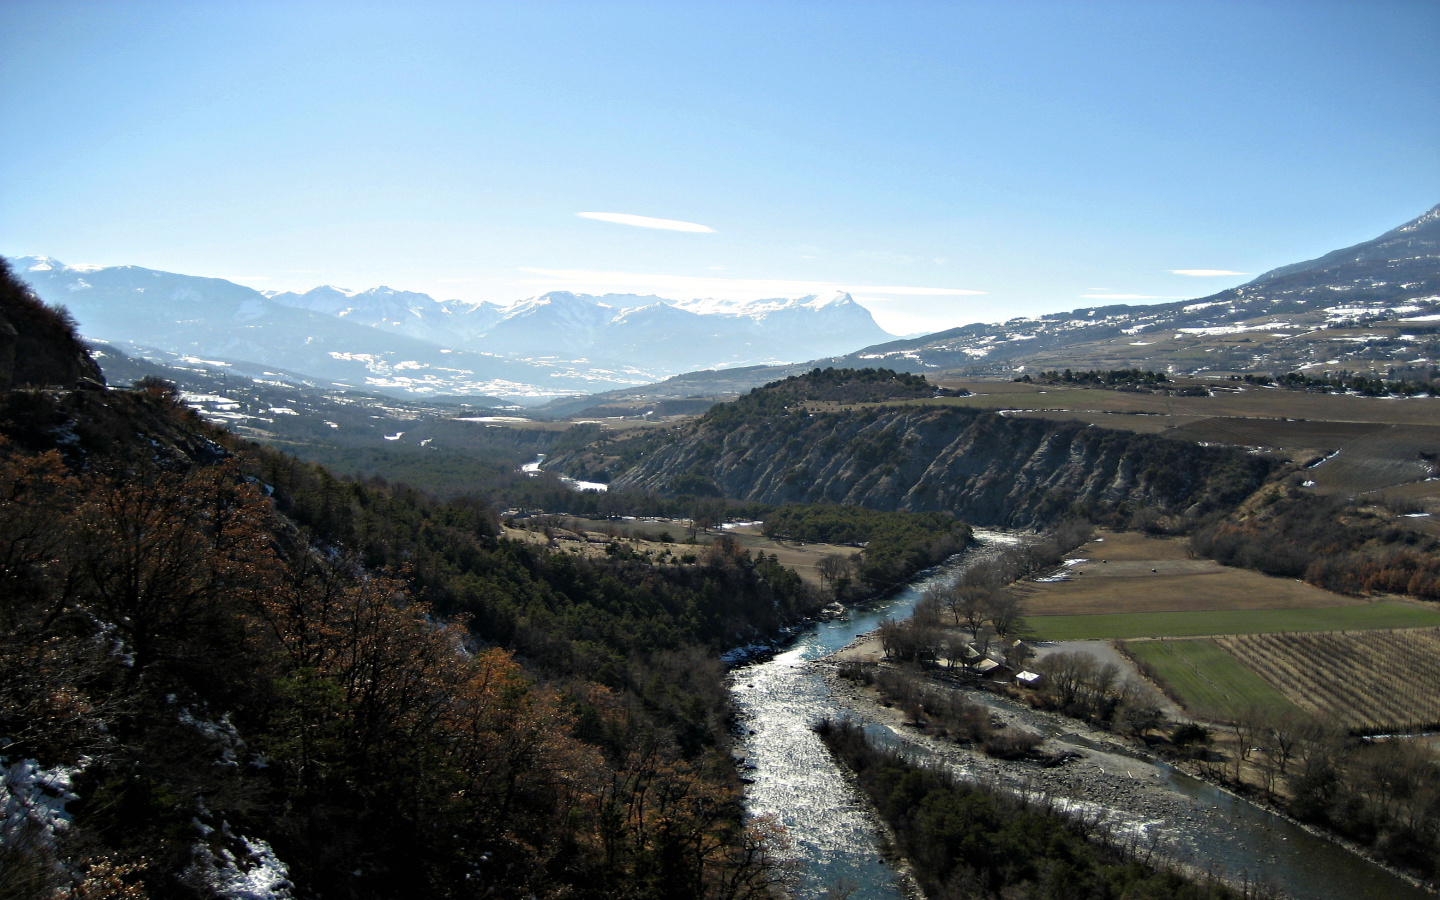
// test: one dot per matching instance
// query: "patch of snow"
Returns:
(259, 875)
(221, 732)
(32, 803)
(1222, 329)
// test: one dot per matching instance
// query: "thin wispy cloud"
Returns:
(692, 286)
(1129, 297)
(1205, 273)
(646, 222)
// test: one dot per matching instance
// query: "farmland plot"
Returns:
(1367, 681)
(1203, 677)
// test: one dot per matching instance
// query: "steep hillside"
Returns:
(776, 445)
(1369, 307)
(38, 345)
(225, 673)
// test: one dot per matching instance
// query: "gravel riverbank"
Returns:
(1139, 800)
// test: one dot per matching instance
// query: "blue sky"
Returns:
(1044, 155)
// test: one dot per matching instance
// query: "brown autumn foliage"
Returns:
(1331, 542)
(217, 681)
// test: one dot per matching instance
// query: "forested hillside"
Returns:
(226, 673)
(783, 443)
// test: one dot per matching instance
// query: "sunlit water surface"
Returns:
(835, 840)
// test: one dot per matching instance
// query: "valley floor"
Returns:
(1136, 800)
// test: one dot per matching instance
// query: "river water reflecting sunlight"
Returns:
(795, 781)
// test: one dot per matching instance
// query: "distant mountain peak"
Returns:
(834, 298)
(1429, 217)
(38, 264)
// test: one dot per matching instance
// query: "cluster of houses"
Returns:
(1004, 663)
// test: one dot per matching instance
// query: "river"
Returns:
(833, 836)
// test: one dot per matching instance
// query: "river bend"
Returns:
(835, 839)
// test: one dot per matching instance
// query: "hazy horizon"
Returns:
(943, 163)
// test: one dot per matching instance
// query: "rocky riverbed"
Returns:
(1134, 799)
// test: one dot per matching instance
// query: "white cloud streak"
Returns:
(1205, 273)
(1129, 297)
(646, 222)
(692, 286)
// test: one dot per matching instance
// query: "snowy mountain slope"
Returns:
(646, 332)
(404, 312)
(409, 342)
(1373, 306)
(214, 319)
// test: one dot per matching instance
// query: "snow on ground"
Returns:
(32, 803)
(258, 875)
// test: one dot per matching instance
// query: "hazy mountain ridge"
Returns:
(1370, 302)
(408, 342)
(647, 332)
(1373, 306)
(215, 319)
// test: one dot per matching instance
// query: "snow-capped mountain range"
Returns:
(645, 331)
(409, 342)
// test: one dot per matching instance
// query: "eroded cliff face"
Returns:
(985, 468)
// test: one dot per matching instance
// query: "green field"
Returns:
(1205, 678)
(1385, 614)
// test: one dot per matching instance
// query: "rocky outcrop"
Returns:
(985, 468)
(38, 344)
